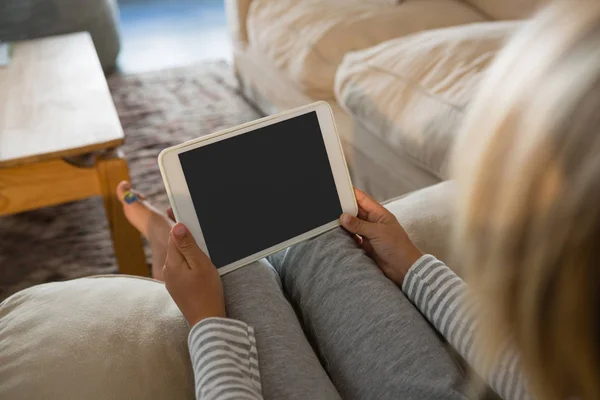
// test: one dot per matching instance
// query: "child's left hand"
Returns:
(192, 279)
(383, 238)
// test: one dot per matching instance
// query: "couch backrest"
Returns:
(508, 9)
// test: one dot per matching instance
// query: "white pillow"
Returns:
(107, 337)
(412, 93)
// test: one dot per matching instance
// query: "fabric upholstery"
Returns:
(412, 92)
(508, 9)
(30, 19)
(109, 337)
(237, 15)
(308, 39)
(380, 169)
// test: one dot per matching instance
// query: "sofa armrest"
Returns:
(426, 215)
(237, 15)
(103, 337)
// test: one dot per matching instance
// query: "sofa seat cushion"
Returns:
(107, 337)
(412, 92)
(308, 39)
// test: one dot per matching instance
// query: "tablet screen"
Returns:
(261, 188)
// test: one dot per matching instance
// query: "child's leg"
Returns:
(289, 368)
(288, 365)
(372, 341)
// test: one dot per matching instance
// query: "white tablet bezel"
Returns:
(181, 201)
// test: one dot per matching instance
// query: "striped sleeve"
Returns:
(225, 360)
(440, 296)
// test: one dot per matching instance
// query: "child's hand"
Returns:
(383, 238)
(192, 279)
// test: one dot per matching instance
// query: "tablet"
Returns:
(255, 189)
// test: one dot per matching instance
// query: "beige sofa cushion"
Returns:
(508, 9)
(308, 39)
(412, 92)
(96, 338)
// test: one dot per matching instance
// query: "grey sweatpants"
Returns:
(329, 324)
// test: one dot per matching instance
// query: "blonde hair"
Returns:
(528, 214)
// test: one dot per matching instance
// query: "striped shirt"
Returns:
(440, 296)
(225, 360)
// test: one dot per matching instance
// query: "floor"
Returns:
(159, 34)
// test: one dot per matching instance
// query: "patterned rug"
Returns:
(157, 110)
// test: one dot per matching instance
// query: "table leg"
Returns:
(112, 168)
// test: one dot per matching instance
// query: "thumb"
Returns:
(186, 244)
(359, 226)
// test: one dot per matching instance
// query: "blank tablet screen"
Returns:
(261, 188)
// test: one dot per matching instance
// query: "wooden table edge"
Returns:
(15, 162)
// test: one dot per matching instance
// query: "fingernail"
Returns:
(130, 197)
(346, 218)
(179, 231)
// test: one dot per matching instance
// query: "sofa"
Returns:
(122, 337)
(398, 75)
(30, 19)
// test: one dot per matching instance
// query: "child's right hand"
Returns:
(191, 278)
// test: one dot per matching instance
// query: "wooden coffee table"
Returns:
(55, 107)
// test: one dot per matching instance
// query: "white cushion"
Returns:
(412, 92)
(308, 39)
(111, 337)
